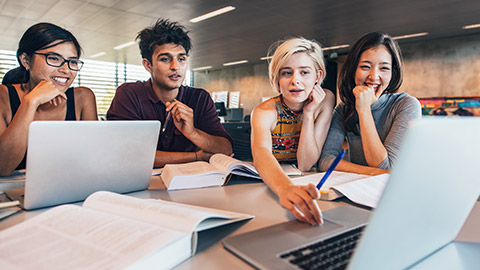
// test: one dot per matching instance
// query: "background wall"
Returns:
(443, 68)
(435, 68)
(251, 80)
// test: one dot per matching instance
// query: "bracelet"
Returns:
(195, 156)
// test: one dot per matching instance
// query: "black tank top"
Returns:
(15, 103)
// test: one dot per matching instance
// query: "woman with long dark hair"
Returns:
(40, 90)
(372, 117)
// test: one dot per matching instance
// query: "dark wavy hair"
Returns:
(162, 32)
(38, 37)
(347, 73)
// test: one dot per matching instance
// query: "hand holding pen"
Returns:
(182, 117)
(331, 168)
(168, 118)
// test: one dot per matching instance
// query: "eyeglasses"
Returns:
(56, 60)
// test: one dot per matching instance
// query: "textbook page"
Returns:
(171, 215)
(367, 191)
(190, 168)
(335, 179)
(73, 237)
(228, 165)
(191, 175)
(291, 170)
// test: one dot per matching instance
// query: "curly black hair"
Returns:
(162, 32)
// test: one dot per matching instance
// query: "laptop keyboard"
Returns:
(332, 253)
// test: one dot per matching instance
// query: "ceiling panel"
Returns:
(61, 9)
(100, 19)
(245, 33)
(82, 14)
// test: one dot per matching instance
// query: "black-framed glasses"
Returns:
(56, 60)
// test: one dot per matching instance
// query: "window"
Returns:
(102, 77)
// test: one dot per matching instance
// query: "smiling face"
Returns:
(168, 66)
(62, 77)
(297, 78)
(374, 69)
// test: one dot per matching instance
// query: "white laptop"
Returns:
(69, 160)
(432, 189)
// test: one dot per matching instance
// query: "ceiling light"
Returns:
(324, 49)
(235, 63)
(212, 14)
(201, 68)
(471, 26)
(124, 45)
(336, 47)
(411, 35)
(97, 55)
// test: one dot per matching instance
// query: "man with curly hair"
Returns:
(191, 129)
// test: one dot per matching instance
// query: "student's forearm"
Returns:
(308, 150)
(210, 143)
(162, 158)
(270, 171)
(373, 148)
(13, 141)
(346, 166)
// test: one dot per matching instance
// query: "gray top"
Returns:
(391, 113)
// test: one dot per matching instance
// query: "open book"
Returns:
(110, 231)
(359, 188)
(216, 172)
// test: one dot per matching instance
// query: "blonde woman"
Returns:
(292, 127)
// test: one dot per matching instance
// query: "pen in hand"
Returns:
(330, 169)
(327, 173)
(167, 119)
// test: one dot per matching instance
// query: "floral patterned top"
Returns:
(286, 134)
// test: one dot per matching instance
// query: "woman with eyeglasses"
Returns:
(40, 90)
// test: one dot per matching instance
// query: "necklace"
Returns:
(290, 111)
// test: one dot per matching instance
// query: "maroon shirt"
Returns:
(137, 101)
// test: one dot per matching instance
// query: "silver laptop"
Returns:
(69, 160)
(432, 189)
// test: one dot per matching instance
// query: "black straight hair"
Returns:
(347, 73)
(38, 37)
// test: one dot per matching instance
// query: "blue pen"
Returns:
(332, 167)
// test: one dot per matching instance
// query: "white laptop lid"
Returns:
(69, 160)
(432, 189)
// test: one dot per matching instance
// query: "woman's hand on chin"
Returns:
(46, 92)
(314, 100)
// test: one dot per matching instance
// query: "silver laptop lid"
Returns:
(69, 160)
(432, 189)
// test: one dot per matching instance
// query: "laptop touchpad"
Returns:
(309, 231)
